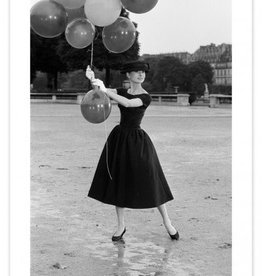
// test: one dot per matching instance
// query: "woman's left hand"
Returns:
(100, 84)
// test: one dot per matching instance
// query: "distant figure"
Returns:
(129, 174)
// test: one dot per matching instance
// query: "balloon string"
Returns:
(107, 165)
(92, 53)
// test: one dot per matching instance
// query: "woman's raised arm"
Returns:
(112, 93)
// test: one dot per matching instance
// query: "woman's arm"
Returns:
(112, 93)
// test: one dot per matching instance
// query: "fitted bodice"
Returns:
(131, 117)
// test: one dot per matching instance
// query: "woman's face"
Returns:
(137, 76)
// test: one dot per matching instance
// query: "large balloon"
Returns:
(119, 36)
(75, 13)
(48, 18)
(71, 4)
(95, 106)
(102, 12)
(80, 33)
(139, 6)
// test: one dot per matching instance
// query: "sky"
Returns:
(182, 25)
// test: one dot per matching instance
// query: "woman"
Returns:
(129, 174)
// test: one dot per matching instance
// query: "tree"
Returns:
(170, 72)
(200, 68)
(148, 84)
(198, 85)
(44, 58)
(34, 46)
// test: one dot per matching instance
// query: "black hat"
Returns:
(135, 66)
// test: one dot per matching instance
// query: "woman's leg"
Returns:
(166, 220)
(120, 221)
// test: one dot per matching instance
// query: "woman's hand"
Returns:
(95, 82)
(90, 73)
(100, 84)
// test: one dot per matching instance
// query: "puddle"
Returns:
(133, 257)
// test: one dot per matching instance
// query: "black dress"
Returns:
(137, 177)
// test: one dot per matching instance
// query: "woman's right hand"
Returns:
(99, 83)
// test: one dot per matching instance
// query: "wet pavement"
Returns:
(71, 233)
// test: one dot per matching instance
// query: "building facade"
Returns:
(220, 59)
(218, 56)
(222, 73)
(184, 57)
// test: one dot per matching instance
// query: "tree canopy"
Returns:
(169, 72)
(44, 58)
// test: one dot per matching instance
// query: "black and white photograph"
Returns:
(130, 160)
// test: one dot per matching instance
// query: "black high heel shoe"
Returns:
(118, 238)
(175, 236)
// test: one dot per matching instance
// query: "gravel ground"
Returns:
(71, 233)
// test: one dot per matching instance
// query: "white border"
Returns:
(242, 138)
(4, 144)
(19, 137)
(257, 138)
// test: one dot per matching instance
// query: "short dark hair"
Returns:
(133, 66)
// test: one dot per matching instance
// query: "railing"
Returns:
(75, 97)
(164, 97)
(216, 100)
(179, 99)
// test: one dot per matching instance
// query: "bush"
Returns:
(40, 82)
(148, 86)
(192, 97)
(220, 89)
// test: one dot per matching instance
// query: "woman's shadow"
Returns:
(120, 246)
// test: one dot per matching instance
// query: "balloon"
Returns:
(95, 106)
(71, 4)
(80, 33)
(48, 18)
(102, 12)
(119, 36)
(75, 13)
(139, 6)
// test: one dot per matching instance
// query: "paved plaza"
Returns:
(71, 233)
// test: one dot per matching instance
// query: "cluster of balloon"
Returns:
(95, 106)
(78, 18)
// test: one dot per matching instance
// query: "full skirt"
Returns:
(129, 173)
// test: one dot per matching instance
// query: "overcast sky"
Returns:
(183, 25)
